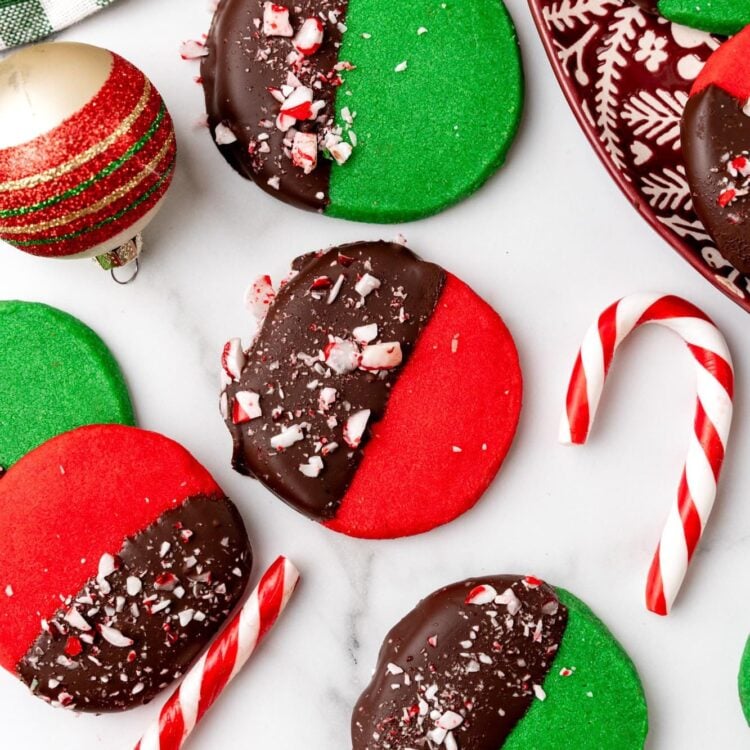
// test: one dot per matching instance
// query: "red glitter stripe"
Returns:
(577, 404)
(672, 307)
(220, 661)
(29, 196)
(93, 238)
(716, 365)
(655, 600)
(608, 334)
(117, 97)
(96, 192)
(171, 724)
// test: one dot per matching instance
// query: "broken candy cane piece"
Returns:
(287, 437)
(223, 135)
(313, 467)
(297, 106)
(114, 636)
(193, 50)
(326, 398)
(246, 406)
(276, 20)
(305, 151)
(367, 284)
(482, 594)
(309, 37)
(355, 426)
(233, 359)
(341, 356)
(366, 334)
(259, 296)
(381, 356)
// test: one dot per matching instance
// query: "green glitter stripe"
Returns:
(104, 222)
(600, 705)
(105, 172)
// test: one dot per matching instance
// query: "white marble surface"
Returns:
(548, 242)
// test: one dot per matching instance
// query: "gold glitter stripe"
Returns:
(98, 148)
(94, 207)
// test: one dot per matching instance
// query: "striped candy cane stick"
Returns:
(210, 675)
(715, 383)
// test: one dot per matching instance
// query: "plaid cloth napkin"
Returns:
(23, 21)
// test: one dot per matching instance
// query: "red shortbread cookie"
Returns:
(120, 557)
(380, 395)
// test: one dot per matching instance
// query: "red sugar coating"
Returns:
(74, 498)
(411, 479)
(728, 67)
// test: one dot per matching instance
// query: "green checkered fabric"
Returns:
(24, 21)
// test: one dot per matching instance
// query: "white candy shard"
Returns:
(276, 20)
(75, 619)
(133, 585)
(305, 151)
(259, 296)
(355, 427)
(326, 398)
(309, 37)
(450, 720)
(482, 594)
(233, 359)
(381, 356)
(223, 135)
(115, 637)
(313, 467)
(366, 334)
(367, 284)
(287, 437)
(193, 50)
(341, 356)
(248, 404)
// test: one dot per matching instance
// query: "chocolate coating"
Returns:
(715, 133)
(469, 667)
(650, 6)
(242, 64)
(285, 366)
(174, 585)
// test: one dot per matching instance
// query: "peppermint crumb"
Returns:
(9, 590)
(421, 30)
(366, 35)
(484, 446)
(401, 67)
(62, 469)
(539, 692)
(454, 344)
(589, 694)
(274, 182)
(456, 449)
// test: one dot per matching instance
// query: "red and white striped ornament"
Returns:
(206, 680)
(715, 387)
(87, 151)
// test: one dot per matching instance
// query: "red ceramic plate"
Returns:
(626, 75)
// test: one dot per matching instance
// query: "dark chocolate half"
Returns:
(128, 634)
(467, 662)
(716, 147)
(287, 367)
(242, 65)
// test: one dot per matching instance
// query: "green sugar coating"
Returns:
(613, 716)
(55, 374)
(718, 16)
(432, 134)
(744, 681)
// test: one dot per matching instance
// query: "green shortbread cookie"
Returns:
(392, 111)
(717, 16)
(501, 662)
(55, 374)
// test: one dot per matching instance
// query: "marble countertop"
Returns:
(549, 242)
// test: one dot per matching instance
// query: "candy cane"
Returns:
(205, 681)
(715, 384)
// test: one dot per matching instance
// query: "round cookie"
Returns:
(744, 681)
(391, 111)
(717, 16)
(715, 137)
(503, 661)
(55, 374)
(120, 558)
(380, 395)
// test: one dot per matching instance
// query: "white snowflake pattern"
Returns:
(656, 116)
(651, 51)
